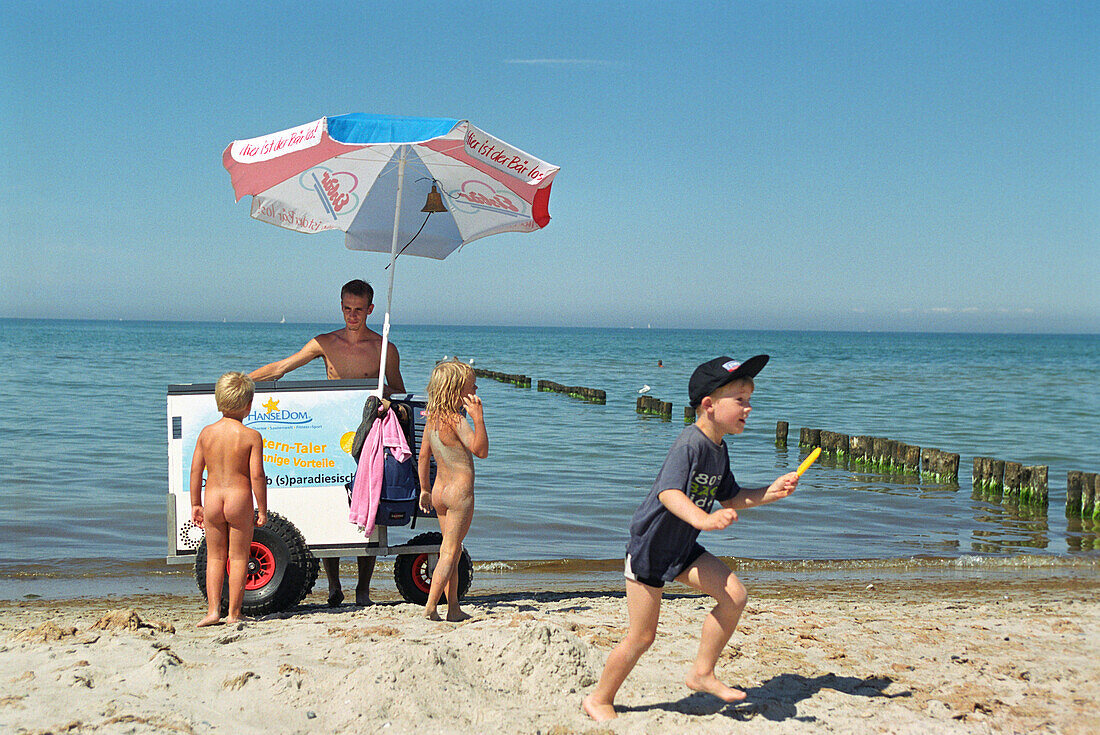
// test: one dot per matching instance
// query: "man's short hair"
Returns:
(358, 287)
(233, 392)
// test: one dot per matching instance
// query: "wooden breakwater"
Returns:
(650, 406)
(591, 395)
(1083, 495)
(521, 381)
(1011, 482)
(881, 454)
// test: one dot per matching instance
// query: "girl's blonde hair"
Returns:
(445, 391)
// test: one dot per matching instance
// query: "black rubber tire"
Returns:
(291, 579)
(412, 572)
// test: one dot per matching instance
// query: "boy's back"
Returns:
(228, 447)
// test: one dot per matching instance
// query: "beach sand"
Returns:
(934, 655)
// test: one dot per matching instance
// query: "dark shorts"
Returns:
(656, 581)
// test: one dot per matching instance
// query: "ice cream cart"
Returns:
(307, 429)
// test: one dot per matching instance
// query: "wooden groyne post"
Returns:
(780, 431)
(875, 452)
(1012, 481)
(809, 438)
(859, 449)
(989, 475)
(590, 395)
(521, 381)
(648, 405)
(833, 443)
(1082, 493)
(940, 465)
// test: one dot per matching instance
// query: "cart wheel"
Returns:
(281, 569)
(413, 572)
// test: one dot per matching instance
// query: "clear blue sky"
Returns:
(790, 165)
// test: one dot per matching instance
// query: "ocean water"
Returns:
(83, 466)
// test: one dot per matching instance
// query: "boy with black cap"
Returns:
(665, 527)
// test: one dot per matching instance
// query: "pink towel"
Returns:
(367, 488)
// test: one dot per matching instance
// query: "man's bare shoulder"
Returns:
(338, 339)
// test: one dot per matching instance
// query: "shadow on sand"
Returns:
(777, 698)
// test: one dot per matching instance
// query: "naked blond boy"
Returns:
(449, 438)
(232, 455)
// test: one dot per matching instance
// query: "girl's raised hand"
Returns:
(473, 407)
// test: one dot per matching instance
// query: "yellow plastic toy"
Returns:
(808, 461)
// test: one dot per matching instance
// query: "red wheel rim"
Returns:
(421, 578)
(261, 567)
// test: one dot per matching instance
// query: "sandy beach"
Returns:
(931, 656)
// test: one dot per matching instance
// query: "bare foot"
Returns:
(335, 597)
(458, 616)
(432, 615)
(362, 599)
(239, 619)
(210, 619)
(598, 711)
(711, 685)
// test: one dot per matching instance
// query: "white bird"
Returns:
(471, 361)
(644, 389)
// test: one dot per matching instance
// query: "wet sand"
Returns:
(1017, 654)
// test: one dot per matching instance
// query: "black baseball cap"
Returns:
(713, 374)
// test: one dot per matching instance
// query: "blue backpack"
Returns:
(399, 493)
(397, 504)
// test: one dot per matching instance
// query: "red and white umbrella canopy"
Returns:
(342, 173)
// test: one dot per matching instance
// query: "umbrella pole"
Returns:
(393, 267)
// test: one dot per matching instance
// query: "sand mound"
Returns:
(45, 633)
(129, 619)
(545, 654)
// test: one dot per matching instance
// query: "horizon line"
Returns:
(566, 327)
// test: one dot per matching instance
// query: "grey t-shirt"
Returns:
(659, 541)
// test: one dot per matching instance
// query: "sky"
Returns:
(893, 166)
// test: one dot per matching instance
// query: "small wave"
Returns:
(929, 563)
(98, 568)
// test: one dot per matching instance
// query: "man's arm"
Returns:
(680, 505)
(393, 370)
(276, 370)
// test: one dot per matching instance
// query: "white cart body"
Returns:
(306, 428)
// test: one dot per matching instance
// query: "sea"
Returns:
(83, 450)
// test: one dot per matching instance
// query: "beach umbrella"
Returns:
(402, 185)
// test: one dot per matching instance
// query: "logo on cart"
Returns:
(474, 196)
(335, 189)
(273, 415)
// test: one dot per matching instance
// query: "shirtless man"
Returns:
(351, 353)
